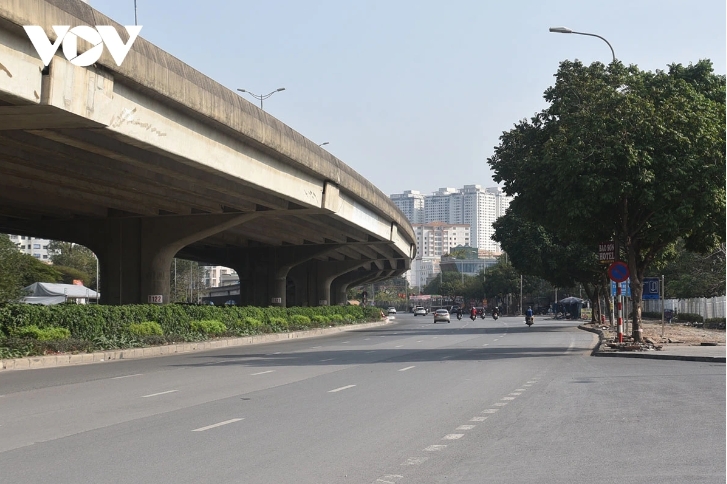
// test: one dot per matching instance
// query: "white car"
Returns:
(391, 310)
(420, 311)
(441, 315)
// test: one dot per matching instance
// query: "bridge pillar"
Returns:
(340, 284)
(135, 253)
(326, 272)
(264, 271)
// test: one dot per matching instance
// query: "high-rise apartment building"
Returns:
(411, 202)
(34, 246)
(433, 241)
(470, 205)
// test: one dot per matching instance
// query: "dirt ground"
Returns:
(673, 334)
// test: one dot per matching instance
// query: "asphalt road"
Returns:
(412, 402)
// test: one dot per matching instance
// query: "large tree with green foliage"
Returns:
(76, 262)
(695, 275)
(536, 251)
(623, 154)
(18, 270)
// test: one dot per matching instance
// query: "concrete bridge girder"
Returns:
(153, 141)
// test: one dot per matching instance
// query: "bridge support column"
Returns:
(340, 284)
(135, 253)
(264, 271)
(326, 272)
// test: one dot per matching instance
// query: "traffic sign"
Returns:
(618, 271)
(625, 288)
(651, 288)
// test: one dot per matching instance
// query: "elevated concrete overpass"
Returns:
(151, 159)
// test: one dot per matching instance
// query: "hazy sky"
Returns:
(415, 94)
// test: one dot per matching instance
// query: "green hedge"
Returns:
(112, 323)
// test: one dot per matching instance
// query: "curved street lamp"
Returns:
(261, 97)
(564, 30)
(324, 143)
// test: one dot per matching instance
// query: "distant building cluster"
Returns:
(451, 218)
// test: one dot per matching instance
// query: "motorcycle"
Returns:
(473, 317)
(482, 314)
(495, 315)
(529, 321)
(459, 316)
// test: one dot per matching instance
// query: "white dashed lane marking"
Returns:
(341, 388)
(465, 427)
(407, 368)
(202, 429)
(160, 393)
(126, 376)
(434, 448)
(415, 461)
(261, 372)
(452, 436)
(328, 359)
(389, 479)
(478, 419)
(490, 410)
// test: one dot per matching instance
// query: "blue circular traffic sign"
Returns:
(618, 271)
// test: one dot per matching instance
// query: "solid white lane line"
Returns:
(202, 429)
(342, 388)
(408, 368)
(452, 436)
(261, 372)
(126, 376)
(465, 427)
(160, 393)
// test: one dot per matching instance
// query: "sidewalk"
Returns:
(714, 354)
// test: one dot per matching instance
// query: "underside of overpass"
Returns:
(140, 175)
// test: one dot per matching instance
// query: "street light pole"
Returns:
(564, 30)
(324, 143)
(261, 97)
(617, 300)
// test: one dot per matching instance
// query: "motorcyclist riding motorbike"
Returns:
(529, 316)
(473, 313)
(459, 312)
(495, 312)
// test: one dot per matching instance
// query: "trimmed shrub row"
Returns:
(31, 330)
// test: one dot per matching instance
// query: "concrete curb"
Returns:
(652, 355)
(51, 361)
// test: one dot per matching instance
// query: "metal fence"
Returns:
(707, 307)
